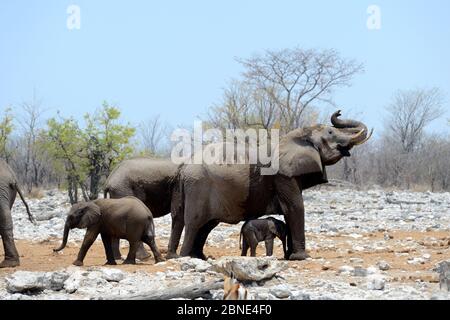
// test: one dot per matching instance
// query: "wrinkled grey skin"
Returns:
(153, 182)
(8, 190)
(127, 218)
(232, 193)
(257, 230)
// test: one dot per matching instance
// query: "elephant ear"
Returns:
(300, 158)
(90, 215)
(273, 228)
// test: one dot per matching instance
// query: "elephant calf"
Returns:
(126, 218)
(255, 231)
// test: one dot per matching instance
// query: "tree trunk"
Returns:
(188, 292)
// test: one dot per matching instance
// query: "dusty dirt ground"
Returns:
(38, 256)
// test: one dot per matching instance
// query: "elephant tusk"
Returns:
(367, 138)
(356, 136)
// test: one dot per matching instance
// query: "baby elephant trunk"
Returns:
(65, 237)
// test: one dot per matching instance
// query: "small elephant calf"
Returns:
(125, 218)
(255, 231)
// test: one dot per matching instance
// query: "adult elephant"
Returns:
(152, 181)
(233, 193)
(8, 190)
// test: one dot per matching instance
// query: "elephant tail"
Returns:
(240, 235)
(30, 216)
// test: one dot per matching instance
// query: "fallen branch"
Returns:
(187, 292)
(400, 202)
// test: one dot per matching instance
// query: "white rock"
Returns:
(376, 282)
(372, 270)
(281, 291)
(383, 265)
(346, 269)
(114, 275)
(356, 260)
(298, 295)
(73, 282)
(55, 280)
(359, 272)
(249, 268)
(174, 275)
(25, 281)
(187, 263)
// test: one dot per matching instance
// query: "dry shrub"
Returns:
(36, 193)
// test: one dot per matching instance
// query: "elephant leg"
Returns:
(291, 201)
(177, 213)
(11, 255)
(284, 249)
(131, 257)
(6, 231)
(175, 234)
(108, 249)
(201, 237)
(190, 234)
(115, 244)
(141, 253)
(197, 219)
(244, 248)
(88, 240)
(150, 241)
(269, 247)
(253, 242)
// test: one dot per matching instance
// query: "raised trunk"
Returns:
(65, 237)
(357, 130)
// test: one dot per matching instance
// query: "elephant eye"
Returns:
(330, 132)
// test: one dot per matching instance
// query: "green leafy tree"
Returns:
(86, 155)
(67, 149)
(107, 144)
(6, 128)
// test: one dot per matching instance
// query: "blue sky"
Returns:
(173, 57)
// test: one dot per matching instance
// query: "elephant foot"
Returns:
(199, 255)
(10, 263)
(129, 261)
(301, 255)
(110, 263)
(78, 263)
(172, 255)
(159, 259)
(143, 255)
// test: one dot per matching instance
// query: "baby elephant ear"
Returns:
(91, 215)
(273, 228)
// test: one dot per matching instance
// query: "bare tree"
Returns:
(153, 134)
(233, 111)
(295, 79)
(410, 112)
(31, 124)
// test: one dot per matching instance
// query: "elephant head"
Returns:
(81, 215)
(305, 152)
(279, 229)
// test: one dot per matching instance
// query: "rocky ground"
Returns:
(363, 245)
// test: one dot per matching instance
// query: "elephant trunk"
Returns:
(65, 237)
(357, 130)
